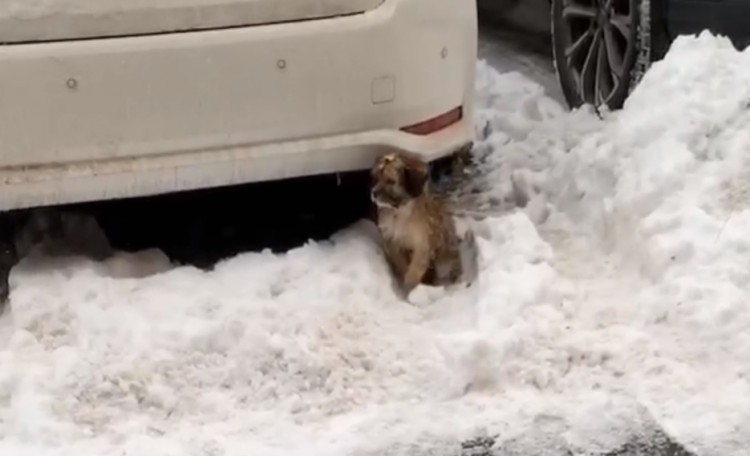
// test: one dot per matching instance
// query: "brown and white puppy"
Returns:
(419, 237)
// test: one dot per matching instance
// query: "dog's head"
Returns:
(398, 179)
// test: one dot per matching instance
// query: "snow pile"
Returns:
(616, 295)
(652, 204)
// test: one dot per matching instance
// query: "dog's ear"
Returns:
(374, 173)
(415, 178)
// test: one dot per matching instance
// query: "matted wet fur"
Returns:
(419, 236)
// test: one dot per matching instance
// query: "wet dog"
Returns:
(419, 236)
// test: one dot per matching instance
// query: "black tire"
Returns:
(601, 49)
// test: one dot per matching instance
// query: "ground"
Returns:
(610, 315)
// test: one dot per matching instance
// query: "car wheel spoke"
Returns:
(578, 11)
(604, 79)
(622, 24)
(588, 72)
(580, 44)
(614, 55)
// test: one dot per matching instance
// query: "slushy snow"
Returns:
(615, 297)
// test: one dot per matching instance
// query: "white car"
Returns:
(103, 99)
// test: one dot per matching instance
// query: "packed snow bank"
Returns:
(661, 189)
(615, 296)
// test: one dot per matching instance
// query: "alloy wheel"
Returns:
(598, 42)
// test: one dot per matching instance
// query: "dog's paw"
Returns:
(424, 295)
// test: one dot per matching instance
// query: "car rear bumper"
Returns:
(56, 184)
(113, 118)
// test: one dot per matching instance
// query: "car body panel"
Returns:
(51, 20)
(730, 18)
(112, 118)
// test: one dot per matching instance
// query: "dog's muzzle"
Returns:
(379, 202)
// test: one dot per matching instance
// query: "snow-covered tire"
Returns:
(585, 33)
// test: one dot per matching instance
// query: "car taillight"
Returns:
(436, 123)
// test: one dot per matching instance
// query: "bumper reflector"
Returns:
(436, 123)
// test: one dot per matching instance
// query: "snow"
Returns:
(614, 299)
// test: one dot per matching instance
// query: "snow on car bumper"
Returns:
(113, 118)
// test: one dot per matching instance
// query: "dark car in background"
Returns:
(602, 48)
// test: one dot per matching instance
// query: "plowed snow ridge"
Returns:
(619, 291)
